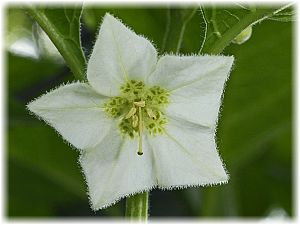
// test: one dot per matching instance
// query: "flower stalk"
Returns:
(137, 207)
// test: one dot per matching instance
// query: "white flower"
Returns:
(166, 110)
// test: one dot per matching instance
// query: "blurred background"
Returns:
(255, 131)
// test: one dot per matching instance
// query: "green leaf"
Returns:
(26, 80)
(255, 127)
(62, 25)
(23, 72)
(32, 194)
(44, 171)
(225, 23)
(35, 150)
(56, 161)
(151, 22)
(18, 26)
(163, 26)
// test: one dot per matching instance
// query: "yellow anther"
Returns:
(135, 120)
(150, 113)
(140, 103)
(131, 112)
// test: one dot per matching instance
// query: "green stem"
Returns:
(227, 37)
(137, 207)
(77, 63)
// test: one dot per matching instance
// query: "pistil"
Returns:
(140, 149)
(140, 104)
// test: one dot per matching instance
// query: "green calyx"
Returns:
(139, 108)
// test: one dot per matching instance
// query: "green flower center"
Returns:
(139, 108)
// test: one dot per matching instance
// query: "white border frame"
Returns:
(3, 116)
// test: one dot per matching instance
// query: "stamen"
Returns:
(131, 112)
(140, 103)
(140, 150)
(135, 120)
(150, 113)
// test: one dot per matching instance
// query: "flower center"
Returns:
(139, 108)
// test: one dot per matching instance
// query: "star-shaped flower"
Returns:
(164, 109)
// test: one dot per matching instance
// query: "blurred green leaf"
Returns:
(151, 22)
(23, 72)
(18, 25)
(56, 161)
(225, 23)
(45, 165)
(63, 27)
(194, 35)
(256, 89)
(256, 117)
(31, 194)
(177, 20)
(50, 168)
(26, 81)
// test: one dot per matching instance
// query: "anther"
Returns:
(140, 103)
(150, 113)
(135, 120)
(131, 112)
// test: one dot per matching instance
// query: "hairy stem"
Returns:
(76, 62)
(137, 207)
(227, 37)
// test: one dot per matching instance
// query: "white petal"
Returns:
(75, 111)
(186, 156)
(196, 85)
(119, 54)
(114, 170)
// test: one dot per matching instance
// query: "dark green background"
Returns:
(255, 132)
